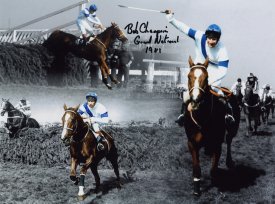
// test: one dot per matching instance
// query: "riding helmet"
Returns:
(239, 80)
(91, 94)
(93, 7)
(267, 86)
(213, 30)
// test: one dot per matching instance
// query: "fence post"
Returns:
(150, 77)
(14, 36)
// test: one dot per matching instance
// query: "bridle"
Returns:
(201, 89)
(74, 131)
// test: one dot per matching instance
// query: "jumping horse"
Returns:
(60, 43)
(252, 110)
(204, 122)
(83, 149)
(16, 120)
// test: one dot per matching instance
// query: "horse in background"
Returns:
(266, 107)
(60, 43)
(83, 149)
(239, 96)
(252, 110)
(16, 120)
(204, 122)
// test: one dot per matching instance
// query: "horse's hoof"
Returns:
(108, 86)
(82, 197)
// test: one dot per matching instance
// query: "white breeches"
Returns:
(84, 26)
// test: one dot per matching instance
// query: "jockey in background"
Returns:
(238, 85)
(90, 15)
(24, 106)
(264, 92)
(207, 44)
(253, 81)
(95, 114)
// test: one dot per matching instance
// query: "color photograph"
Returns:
(113, 102)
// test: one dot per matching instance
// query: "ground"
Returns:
(252, 181)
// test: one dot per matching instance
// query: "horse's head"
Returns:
(6, 106)
(70, 123)
(248, 93)
(118, 33)
(197, 82)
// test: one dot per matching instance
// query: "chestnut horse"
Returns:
(60, 43)
(204, 122)
(83, 149)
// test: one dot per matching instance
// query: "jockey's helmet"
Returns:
(93, 7)
(213, 31)
(267, 87)
(91, 95)
(23, 99)
(239, 80)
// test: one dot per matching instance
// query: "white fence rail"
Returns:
(15, 34)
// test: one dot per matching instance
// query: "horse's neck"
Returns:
(105, 37)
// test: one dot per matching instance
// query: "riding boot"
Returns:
(100, 141)
(229, 119)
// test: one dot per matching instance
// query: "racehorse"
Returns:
(266, 107)
(252, 110)
(83, 149)
(16, 120)
(239, 96)
(60, 43)
(204, 122)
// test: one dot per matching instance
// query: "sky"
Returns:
(248, 26)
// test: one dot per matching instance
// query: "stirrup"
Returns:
(100, 146)
(230, 117)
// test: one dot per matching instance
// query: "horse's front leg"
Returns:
(194, 150)
(83, 171)
(73, 177)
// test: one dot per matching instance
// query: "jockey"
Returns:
(264, 92)
(90, 15)
(207, 44)
(252, 80)
(95, 114)
(238, 84)
(24, 106)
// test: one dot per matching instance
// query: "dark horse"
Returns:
(239, 96)
(77, 134)
(16, 120)
(251, 109)
(60, 43)
(204, 122)
(266, 107)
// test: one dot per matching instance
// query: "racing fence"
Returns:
(141, 146)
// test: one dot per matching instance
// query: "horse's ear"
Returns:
(206, 62)
(77, 107)
(191, 63)
(65, 107)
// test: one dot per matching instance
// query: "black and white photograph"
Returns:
(137, 102)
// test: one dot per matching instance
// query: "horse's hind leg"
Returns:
(112, 157)
(96, 176)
